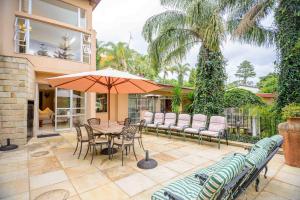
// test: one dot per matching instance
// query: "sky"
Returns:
(116, 20)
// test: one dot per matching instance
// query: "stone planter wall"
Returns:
(17, 86)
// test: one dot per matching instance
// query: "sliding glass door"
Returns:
(69, 108)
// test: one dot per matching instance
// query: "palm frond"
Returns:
(176, 4)
(153, 25)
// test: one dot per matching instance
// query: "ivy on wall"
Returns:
(287, 17)
(209, 83)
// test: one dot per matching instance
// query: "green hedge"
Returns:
(236, 98)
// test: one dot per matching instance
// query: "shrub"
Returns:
(236, 98)
(176, 99)
(291, 110)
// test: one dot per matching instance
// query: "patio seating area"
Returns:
(47, 166)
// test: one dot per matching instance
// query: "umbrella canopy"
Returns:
(104, 81)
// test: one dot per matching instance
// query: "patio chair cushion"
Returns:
(184, 120)
(158, 118)
(100, 140)
(151, 125)
(210, 133)
(182, 188)
(148, 116)
(215, 183)
(191, 130)
(118, 141)
(256, 157)
(170, 118)
(277, 138)
(265, 143)
(176, 128)
(199, 121)
(162, 126)
(216, 123)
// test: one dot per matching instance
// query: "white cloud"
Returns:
(115, 20)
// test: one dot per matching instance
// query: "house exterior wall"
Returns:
(27, 71)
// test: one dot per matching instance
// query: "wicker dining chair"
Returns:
(127, 122)
(93, 142)
(138, 135)
(80, 138)
(126, 140)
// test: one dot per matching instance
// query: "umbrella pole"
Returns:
(108, 106)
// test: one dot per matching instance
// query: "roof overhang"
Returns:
(94, 3)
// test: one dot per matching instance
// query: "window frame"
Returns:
(105, 107)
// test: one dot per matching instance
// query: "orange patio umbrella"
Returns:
(108, 81)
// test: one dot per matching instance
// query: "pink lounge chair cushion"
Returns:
(170, 118)
(210, 133)
(217, 123)
(148, 116)
(199, 121)
(163, 126)
(191, 130)
(183, 120)
(158, 118)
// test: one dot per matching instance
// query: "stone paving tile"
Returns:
(107, 192)
(22, 196)
(43, 165)
(48, 178)
(14, 187)
(179, 166)
(269, 196)
(89, 181)
(289, 178)
(160, 174)
(135, 184)
(118, 172)
(283, 190)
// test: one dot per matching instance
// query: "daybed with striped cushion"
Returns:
(225, 179)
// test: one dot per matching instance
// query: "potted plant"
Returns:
(290, 130)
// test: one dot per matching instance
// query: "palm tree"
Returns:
(173, 33)
(181, 70)
(245, 23)
(165, 71)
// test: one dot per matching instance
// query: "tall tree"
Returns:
(245, 23)
(245, 71)
(192, 77)
(181, 70)
(173, 33)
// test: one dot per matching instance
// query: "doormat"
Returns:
(48, 135)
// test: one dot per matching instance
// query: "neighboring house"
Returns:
(41, 39)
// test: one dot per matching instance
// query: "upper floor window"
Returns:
(37, 38)
(57, 10)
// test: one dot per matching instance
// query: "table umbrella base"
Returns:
(147, 163)
(8, 146)
(106, 151)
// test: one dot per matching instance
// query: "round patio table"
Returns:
(112, 130)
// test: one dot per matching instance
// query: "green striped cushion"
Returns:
(215, 182)
(181, 188)
(277, 138)
(255, 157)
(265, 143)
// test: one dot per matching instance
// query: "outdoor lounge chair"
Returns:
(148, 117)
(226, 179)
(216, 129)
(198, 124)
(170, 120)
(158, 119)
(183, 122)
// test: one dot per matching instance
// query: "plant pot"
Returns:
(290, 131)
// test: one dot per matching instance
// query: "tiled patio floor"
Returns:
(23, 176)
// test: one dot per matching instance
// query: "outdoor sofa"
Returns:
(227, 178)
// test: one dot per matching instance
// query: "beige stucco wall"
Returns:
(118, 108)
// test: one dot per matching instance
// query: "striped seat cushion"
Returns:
(256, 157)
(215, 183)
(265, 143)
(277, 138)
(182, 188)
